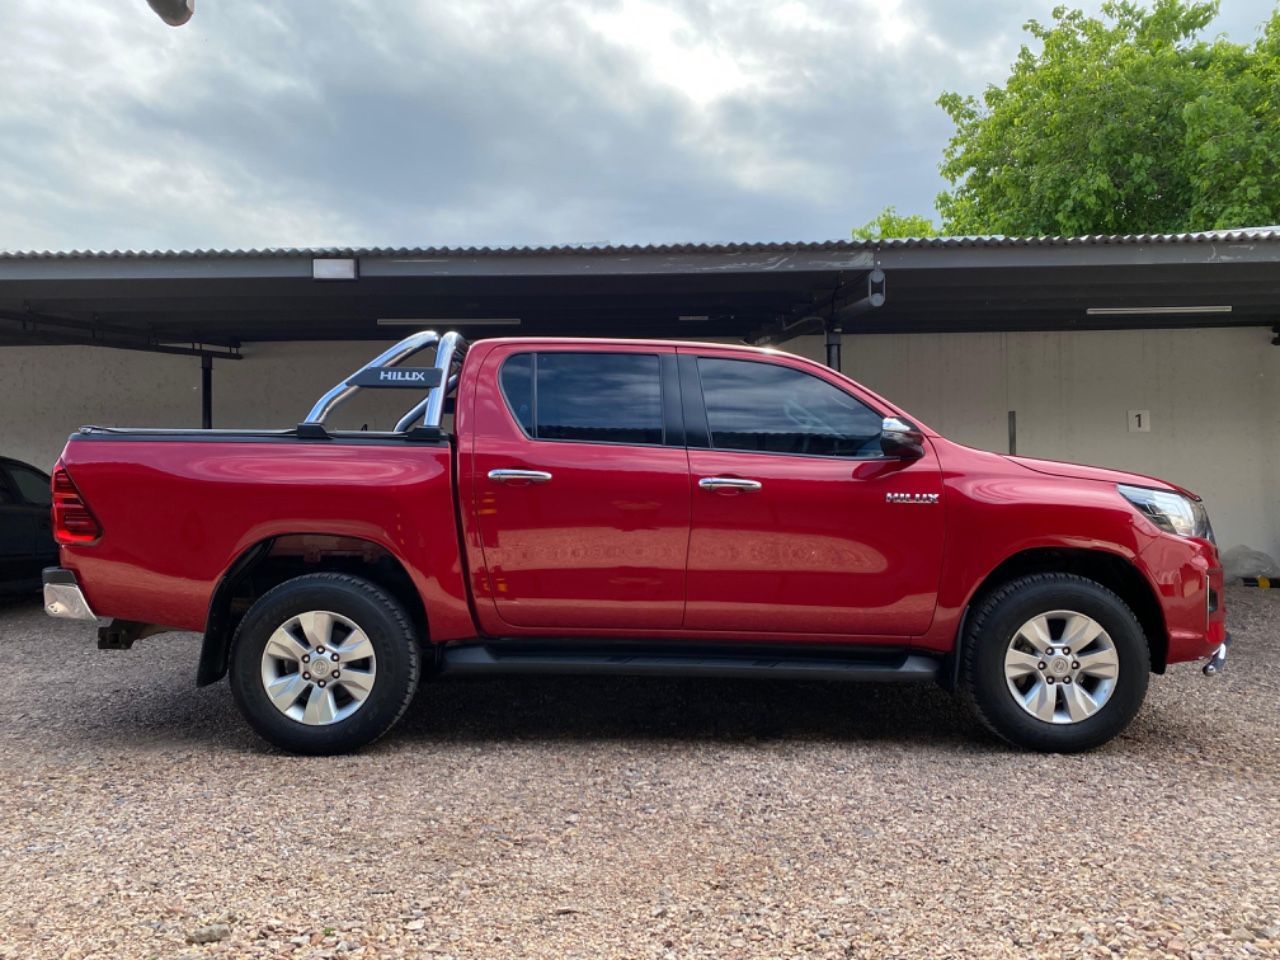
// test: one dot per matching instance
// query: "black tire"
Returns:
(991, 629)
(381, 618)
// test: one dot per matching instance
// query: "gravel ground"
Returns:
(574, 818)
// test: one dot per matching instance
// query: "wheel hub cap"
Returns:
(318, 667)
(1061, 667)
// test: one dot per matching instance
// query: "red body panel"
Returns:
(817, 549)
(623, 543)
(177, 513)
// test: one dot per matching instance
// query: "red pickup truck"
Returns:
(631, 507)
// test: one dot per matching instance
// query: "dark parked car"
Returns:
(26, 543)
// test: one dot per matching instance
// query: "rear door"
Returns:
(580, 481)
(793, 531)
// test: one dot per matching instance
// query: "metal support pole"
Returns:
(835, 337)
(206, 391)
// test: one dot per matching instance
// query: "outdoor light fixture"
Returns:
(1156, 311)
(173, 12)
(333, 268)
(445, 322)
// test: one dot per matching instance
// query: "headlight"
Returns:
(1171, 512)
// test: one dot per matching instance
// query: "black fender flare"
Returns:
(215, 651)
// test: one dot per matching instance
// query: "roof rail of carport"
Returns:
(1243, 234)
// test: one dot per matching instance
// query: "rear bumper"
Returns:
(63, 597)
(1219, 658)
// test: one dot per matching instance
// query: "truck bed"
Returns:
(179, 507)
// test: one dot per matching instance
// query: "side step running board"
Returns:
(492, 659)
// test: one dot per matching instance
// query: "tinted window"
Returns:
(768, 408)
(599, 397)
(31, 484)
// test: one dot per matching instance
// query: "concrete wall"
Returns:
(1213, 397)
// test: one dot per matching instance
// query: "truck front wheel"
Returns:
(324, 663)
(1054, 662)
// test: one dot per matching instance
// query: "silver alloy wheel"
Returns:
(318, 667)
(1061, 666)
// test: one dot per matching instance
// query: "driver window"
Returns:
(767, 408)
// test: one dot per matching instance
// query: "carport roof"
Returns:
(1263, 234)
(198, 300)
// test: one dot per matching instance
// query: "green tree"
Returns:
(1233, 136)
(889, 223)
(1128, 123)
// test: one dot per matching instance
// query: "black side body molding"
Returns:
(681, 659)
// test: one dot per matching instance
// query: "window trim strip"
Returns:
(672, 412)
(697, 435)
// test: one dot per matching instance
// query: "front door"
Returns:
(792, 529)
(580, 481)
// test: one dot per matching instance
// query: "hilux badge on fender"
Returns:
(911, 497)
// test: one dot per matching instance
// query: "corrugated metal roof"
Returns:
(1249, 235)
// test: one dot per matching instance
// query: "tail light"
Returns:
(73, 521)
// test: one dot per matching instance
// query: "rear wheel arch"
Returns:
(1110, 570)
(273, 560)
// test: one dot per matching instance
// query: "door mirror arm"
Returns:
(901, 438)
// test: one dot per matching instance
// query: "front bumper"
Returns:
(63, 597)
(1187, 577)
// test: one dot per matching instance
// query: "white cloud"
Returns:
(674, 53)
(482, 121)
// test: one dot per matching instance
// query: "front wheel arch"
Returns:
(1110, 570)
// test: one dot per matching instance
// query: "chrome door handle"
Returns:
(519, 476)
(729, 483)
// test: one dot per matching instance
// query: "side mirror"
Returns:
(901, 438)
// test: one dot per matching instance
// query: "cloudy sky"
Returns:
(452, 122)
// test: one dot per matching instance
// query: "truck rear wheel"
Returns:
(1054, 662)
(324, 663)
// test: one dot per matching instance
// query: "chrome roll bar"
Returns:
(450, 347)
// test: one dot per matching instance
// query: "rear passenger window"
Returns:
(587, 397)
(768, 408)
